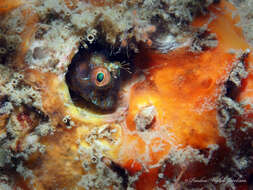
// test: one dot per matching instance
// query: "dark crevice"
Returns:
(111, 54)
(250, 181)
(121, 172)
(232, 90)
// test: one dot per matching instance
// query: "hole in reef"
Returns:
(231, 90)
(121, 172)
(85, 94)
(250, 181)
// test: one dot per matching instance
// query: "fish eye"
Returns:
(100, 76)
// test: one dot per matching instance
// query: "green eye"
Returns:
(100, 77)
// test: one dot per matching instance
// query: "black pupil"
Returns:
(100, 77)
